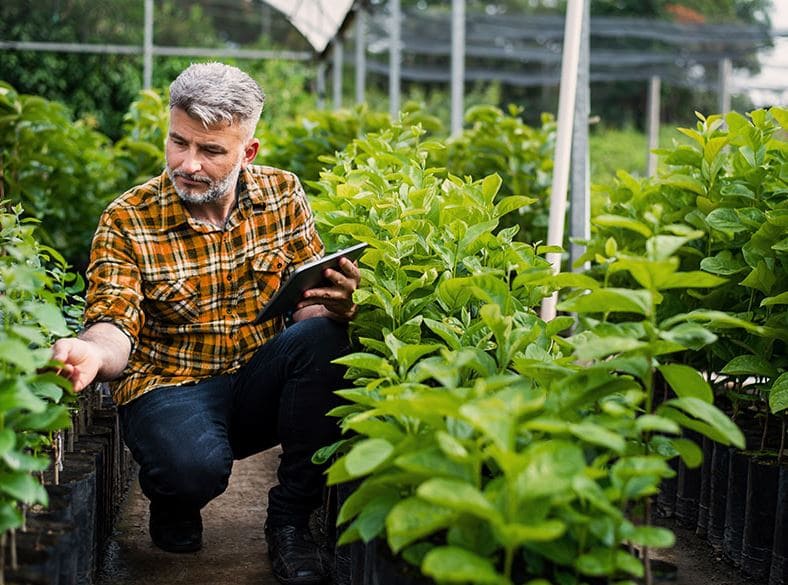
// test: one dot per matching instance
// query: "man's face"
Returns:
(203, 163)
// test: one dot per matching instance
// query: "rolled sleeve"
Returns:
(114, 292)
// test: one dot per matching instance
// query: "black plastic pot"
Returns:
(381, 567)
(79, 479)
(704, 497)
(761, 503)
(38, 559)
(778, 574)
(666, 499)
(735, 506)
(718, 495)
(687, 496)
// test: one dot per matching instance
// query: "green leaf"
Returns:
(651, 536)
(778, 395)
(367, 361)
(50, 317)
(709, 414)
(457, 495)
(686, 381)
(451, 564)
(610, 300)
(725, 220)
(623, 222)
(413, 518)
(16, 353)
(690, 453)
(7, 441)
(761, 278)
(23, 487)
(10, 516)
(549, 467)
(516, 534)
(780, 299)
(367, 455)
(689, 335)
(724, 264)
(598, 435)
(749, 365)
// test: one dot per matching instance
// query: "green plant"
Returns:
(487, 447)
(726, 183)
(38, 300)
(61, 170)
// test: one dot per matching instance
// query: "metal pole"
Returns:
(147, 47)
(563, 144)
(654, 87)
(361, 54)
(726, 69)
(395, 58)
(579, 208)
(337, 72)
(457, 65)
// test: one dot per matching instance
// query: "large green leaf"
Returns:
(414, 518)
(451, 564)
(610, 300)
(367, 455)
(457, 495)
(687, 381)
(778, 395)
(709, 414)
(749, 365)
(24, 487)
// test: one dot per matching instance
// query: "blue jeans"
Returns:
(185, 438)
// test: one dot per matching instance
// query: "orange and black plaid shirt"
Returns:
(185, 292)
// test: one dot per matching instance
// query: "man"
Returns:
(180, 267)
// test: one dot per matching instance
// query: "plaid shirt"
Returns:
(186, 293)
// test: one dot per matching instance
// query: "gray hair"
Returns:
(215, 92)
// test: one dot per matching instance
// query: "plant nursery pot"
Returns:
(718, 495)
(79, 478)
(778, 575)
(704, 497)
(348, 559)
(687, 496)
(666, 499)
(38, 561)
(735, 506)
(381, 567)
(65, 543)
(761, 504)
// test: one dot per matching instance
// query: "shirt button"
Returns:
(229, 278)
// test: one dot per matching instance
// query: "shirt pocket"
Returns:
(172, 301)
(268, 272)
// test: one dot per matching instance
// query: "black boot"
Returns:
(295, 556)
(175, 532)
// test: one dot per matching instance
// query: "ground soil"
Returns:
(234, 550)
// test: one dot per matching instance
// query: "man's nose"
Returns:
(191, 163)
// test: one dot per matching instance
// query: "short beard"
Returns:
(215, 191)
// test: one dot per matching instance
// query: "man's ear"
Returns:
(250, 151)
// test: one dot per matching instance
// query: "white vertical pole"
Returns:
(563, 144)
(361, 54)
(395, 58)
(457, 65)
(580, 206)
(726, 70)
(147, 47)
(654, 88)
(339, 58)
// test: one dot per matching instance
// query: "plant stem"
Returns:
(647, 575)
(781, 451)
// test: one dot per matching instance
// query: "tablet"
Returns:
(305, 277)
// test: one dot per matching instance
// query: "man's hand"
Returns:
(81, 361)
(335, 301)
(100, 353)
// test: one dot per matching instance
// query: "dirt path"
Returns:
(234, 549)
